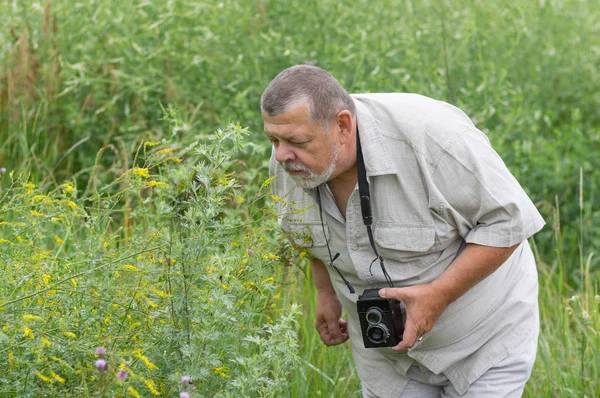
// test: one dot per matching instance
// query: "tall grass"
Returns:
(83, 83)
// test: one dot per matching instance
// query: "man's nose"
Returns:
(283, 153)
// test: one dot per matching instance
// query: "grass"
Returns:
(83, 83)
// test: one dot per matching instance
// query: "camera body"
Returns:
(381, 320)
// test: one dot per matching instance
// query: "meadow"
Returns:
(138, 243)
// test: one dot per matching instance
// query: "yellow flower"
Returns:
(29, 187)
(141, 172)
(38, 198)
(57, 377)
(46, 342)
(151, 143)
(221, 371)
(159, 293)
(46, 279)
(267, 183)
(4, 241)
(67, 187)
(59, 240)
(225, 287)
(152, 387)
(240, 200)
(28, 317)
(150, 302)
(176, 160)
(270, 280)
(158, 184)
(277, 199)
(138, 354)
(70, 334)
(36, 213)
(133, 392)
(130, 267)
(73, 282)
(28, 333)
(164, 151)
(44, 378)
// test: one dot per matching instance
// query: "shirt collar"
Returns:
(378, 160)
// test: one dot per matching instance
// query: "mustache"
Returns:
(294, 167)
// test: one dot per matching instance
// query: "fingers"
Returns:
(409, 338)
(333, 333)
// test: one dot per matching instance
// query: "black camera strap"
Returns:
(365, 207)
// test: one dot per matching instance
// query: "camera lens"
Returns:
(374, 315)
(378, 334)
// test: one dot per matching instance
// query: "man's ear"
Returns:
(344, 123)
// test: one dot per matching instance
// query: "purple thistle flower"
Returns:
(184, 395)
(2, 170)
(101, 365)
(100, 351)
(122, 375)
(185, 380)
(249, 252)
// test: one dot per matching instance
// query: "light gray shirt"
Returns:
(436, 184)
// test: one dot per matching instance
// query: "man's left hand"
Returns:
(424, 304)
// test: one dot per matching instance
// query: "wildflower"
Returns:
(2, 170)
(277, 199)
(67, 188)
(29, 187)
(122, 375)
(146, 361)
(101, 365)
(28, 317)
(152, 387)
(59, 240)
(239, 199)
(4, 241)
(249, 252)
(36, 213)
(70, 334)
(172, 159)
(150, 302)
(44, 378)
(184, 394)
(164, 151)
(100, 351)
(133, 392)
(221, 371)
(28, 333)
(130, 267)
(157, 184)
(151, 143)
(185, 380)
(57, 377)
(141, 172)
(159, 293)
(270, 280)
(267, 183)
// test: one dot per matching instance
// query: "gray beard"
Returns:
(311, 179)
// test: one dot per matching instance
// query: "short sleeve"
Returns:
(477, 194)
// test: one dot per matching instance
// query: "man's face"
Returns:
(307, 153)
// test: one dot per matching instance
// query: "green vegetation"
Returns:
(89, 92)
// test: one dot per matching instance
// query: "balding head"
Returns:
(308, 84)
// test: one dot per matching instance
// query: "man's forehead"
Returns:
(296, 114)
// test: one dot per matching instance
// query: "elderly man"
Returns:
(448, 237)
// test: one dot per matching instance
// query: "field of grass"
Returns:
(135, 211)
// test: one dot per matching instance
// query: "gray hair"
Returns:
(323, 94)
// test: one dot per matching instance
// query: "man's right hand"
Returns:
(332, 328)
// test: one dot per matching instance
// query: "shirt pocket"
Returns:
(411, 246)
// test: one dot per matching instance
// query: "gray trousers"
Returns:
(504, 380)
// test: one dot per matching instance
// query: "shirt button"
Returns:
(355, 246)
